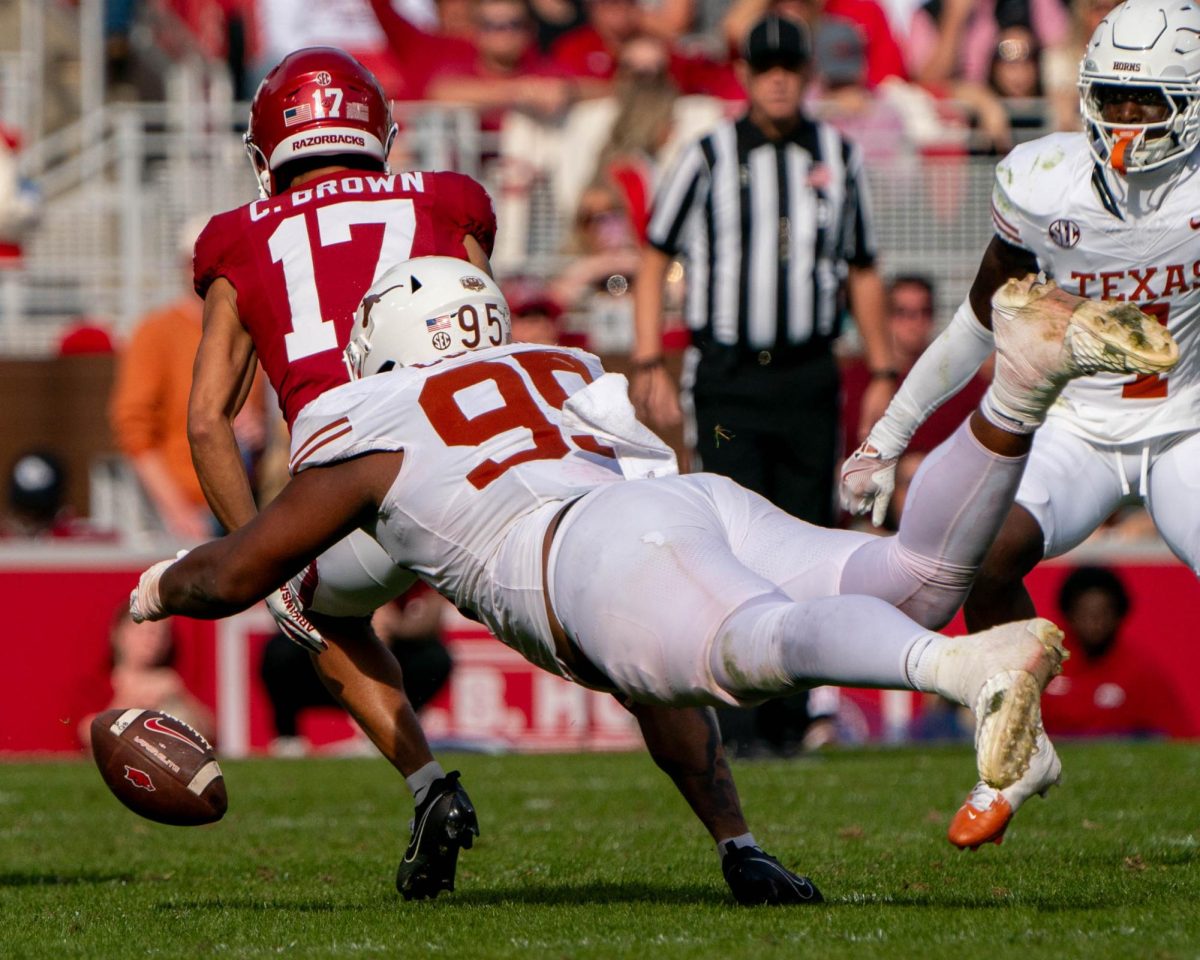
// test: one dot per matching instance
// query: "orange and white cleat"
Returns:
(985, 815)
(1005, 671)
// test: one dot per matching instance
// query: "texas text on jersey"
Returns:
(302, 260)
(1052, 199)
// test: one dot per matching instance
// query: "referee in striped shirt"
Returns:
(770, 214)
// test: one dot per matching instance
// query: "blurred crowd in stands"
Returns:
(592, 99)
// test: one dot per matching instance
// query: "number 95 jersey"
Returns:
(302, 260)
(491, 449)
(1105, 237)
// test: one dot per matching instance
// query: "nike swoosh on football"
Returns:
(971, 814)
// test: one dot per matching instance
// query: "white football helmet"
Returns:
(1150, 49)
(422, 310)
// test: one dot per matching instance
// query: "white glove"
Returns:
(285, 608)
(144, 601)
(868, 481)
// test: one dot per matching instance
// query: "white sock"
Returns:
(734, 843)
(1003, 414)
(947, 666)
(420, 782)
(772, 645)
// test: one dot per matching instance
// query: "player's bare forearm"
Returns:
(314, 511)
(222, 476)
(685, 742)
(221, 379)
(476, 254)
(1001, 262)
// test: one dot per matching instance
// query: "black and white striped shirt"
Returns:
(767, 229)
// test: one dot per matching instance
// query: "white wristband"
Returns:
(945, 367)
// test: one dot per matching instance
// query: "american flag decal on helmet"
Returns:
(301, 113)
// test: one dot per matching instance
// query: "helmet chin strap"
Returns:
(258, 162)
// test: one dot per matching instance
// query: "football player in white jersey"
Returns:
(1112, 212)
(516, 480)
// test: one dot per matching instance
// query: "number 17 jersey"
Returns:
(302, 261)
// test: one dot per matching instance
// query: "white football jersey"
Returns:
(1101, 239)
(487, 444)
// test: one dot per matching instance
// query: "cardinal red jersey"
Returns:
(302, 260)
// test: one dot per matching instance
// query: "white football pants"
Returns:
(692, 589)
(353, 578)
(1071, 486)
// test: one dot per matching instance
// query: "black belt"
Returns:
(730, 356)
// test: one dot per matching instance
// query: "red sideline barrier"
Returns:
(56, 663)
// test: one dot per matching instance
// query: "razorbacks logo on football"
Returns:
(139, 778)
(1064, 233)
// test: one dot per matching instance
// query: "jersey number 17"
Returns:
(291, 245)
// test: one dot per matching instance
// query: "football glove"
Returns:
(868, 481)
(285, 608)
(144, 601)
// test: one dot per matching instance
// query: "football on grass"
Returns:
(159, 767)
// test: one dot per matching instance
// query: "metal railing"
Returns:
(119, 187)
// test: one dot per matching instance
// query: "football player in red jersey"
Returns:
(281, 278)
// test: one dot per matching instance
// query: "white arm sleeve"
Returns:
(945, 367)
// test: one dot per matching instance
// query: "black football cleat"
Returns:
(757, 878)
(444, 822)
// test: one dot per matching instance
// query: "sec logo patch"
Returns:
(1065, 233)
(441, 340)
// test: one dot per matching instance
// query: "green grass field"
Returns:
(595, 856)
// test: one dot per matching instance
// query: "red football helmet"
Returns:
(319, 101)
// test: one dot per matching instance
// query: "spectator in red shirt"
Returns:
(910, 313)
(884, 59)
(1107, 688)
(507, 72)
(592, 52)
(423, 53)
(536, 315)
(495, 68)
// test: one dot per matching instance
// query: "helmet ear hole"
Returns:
(387, 365)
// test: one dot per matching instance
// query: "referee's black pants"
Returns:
(774, 428)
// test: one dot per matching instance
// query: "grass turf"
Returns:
(596, 856)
